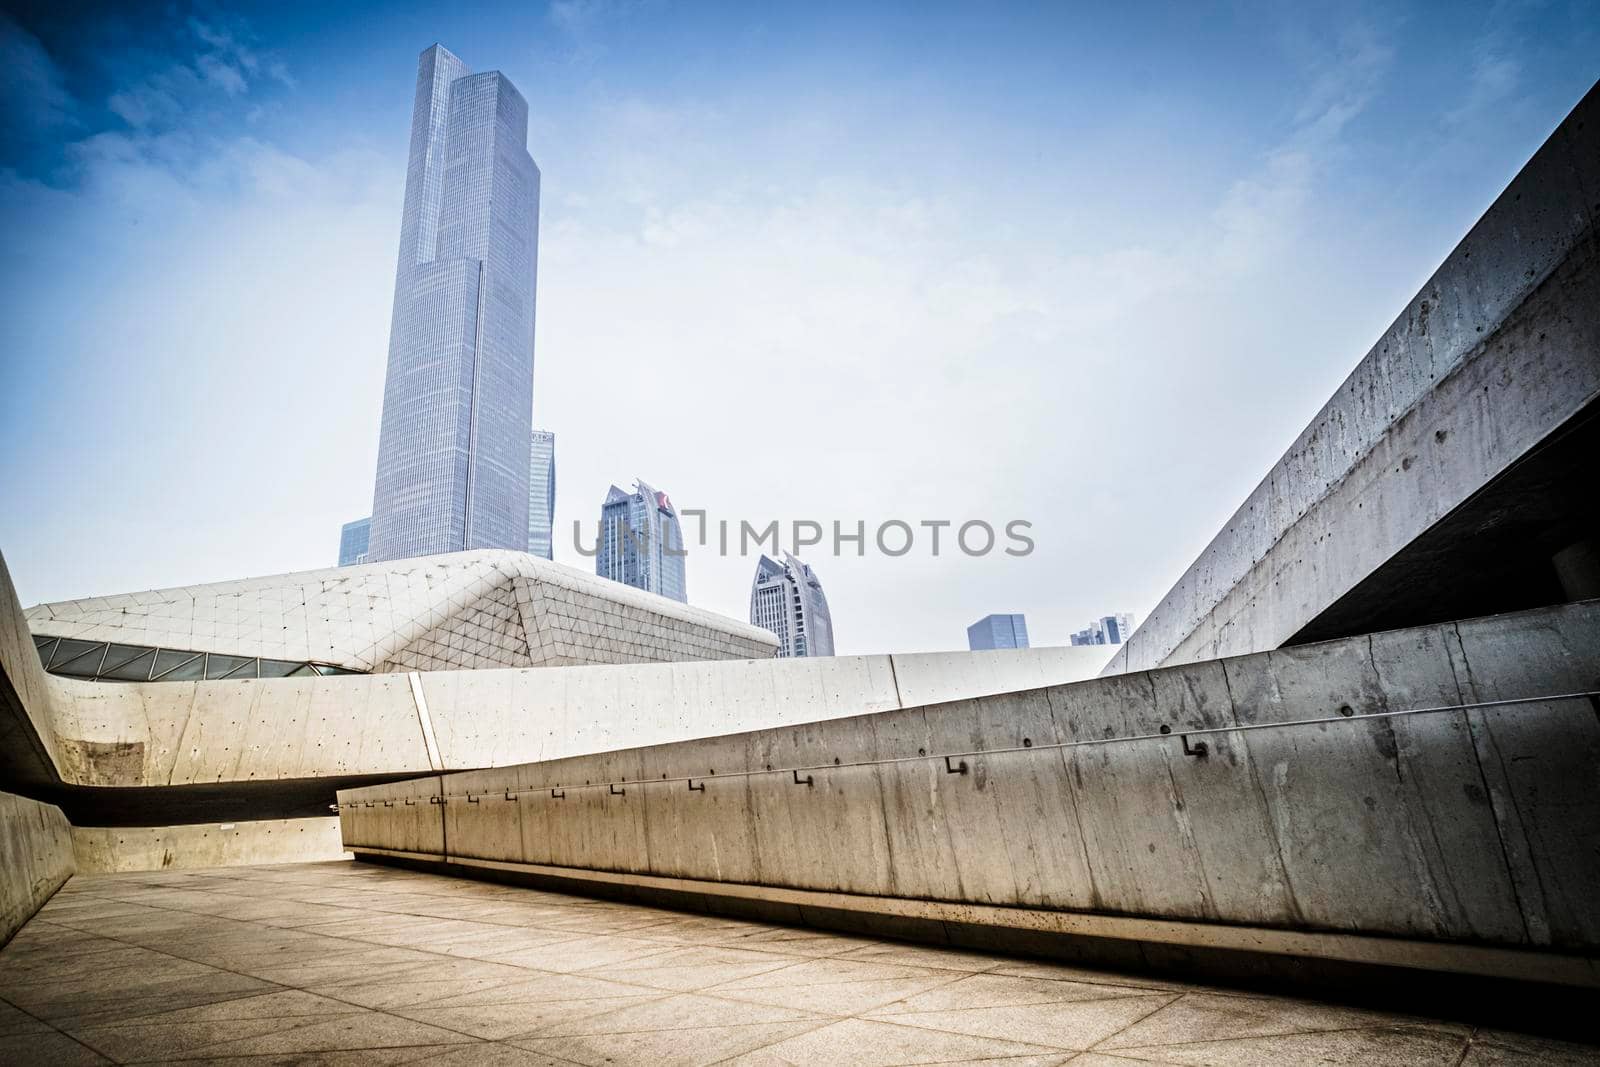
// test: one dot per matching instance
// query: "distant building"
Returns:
(998, 631)
(641, 543)
(541, 492)
(787, 599)
(1108, 630)
(353, 542)
(458, 398)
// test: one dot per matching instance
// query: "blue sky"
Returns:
(1088, 266)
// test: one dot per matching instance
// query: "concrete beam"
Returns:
(1497, 352)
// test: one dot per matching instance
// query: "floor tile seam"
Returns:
(201, 1049)
(52, 1028)
(777, 1040)
(152, 1020)
(848, 981)
(1414, 1030)
(628, 967)
(1034, 1041)
(183, 1057)
(875, 1012)
(820, 1018)
(1171, 999)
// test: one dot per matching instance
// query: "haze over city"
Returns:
(918, 263)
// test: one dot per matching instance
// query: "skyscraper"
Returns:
(998, 631)
(353, 538)
(641, 543)
(787, 599)
(541, 491)
(458, 400)
(1107, 630)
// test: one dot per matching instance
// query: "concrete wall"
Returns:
(180, 733)
(101, 849)
(35, 859)
(1495, 353)
(1469, 828)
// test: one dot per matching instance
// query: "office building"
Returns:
(787, 599)
(541, 492)
(353, 537)
(998, 631)
(458, 399)
(641, 543)
(1107, 630)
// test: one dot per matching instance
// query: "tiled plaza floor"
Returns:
(343, 963)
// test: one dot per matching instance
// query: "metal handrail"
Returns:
(1165, 734)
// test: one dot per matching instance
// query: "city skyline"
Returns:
(452, 470)
(800, 204)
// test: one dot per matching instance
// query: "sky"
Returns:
(1090, 267)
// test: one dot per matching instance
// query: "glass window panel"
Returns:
(301, 671)
(218, 666)
(71, 649)
(117, 655)
(187, 670)
(278, 668)
(133, 670)
(166, 659)
(245, 670)
(85, 666)
(46, 646)
(40, 640)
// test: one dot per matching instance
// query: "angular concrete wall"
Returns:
(1497, 351)
(105, 849)
(1332, 833)
(35, 859)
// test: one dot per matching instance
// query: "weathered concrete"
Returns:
(1475, 829)
(35, 859)
(108, 849)
(1495, 355)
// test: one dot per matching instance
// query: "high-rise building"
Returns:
(787, 599)
(998, 631)
(541, 492)
(353, 538)
(641, 543)
(1107, 630)
(458, 399)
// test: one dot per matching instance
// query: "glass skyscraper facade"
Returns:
(641, 543)
(541, 492)
(458, 399)
(1106, 630)
(353, 538)
(787, 599)
(998, 631)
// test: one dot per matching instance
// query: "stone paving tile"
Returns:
(870, 1044)
(665, 1047)
(1398, 1047)
(343, 964)
(1198, 1017)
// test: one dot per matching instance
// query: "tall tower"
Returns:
(458, 400)
(787, 599)
(641, 543)
(541, 492)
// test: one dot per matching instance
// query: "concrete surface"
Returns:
(35, 859)
(1478, 829)
(1496, 353)
(340, 964)
(108, 849)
